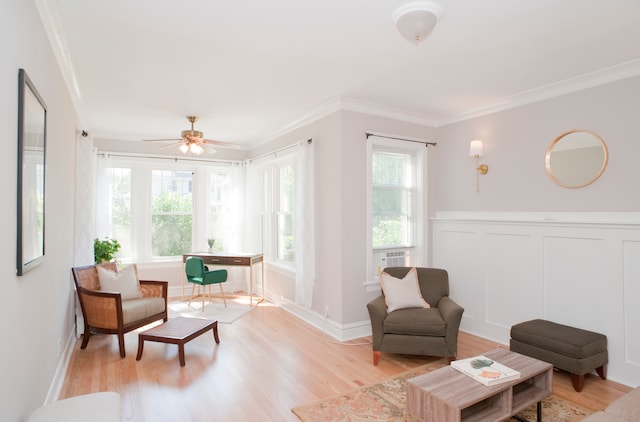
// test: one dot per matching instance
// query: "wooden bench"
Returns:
(571, 349)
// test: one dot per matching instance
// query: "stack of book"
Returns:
(485, 370)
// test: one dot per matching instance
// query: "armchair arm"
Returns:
(452, 314)
(215, 276)
(153, 288)
(101, 309)
(377, 313)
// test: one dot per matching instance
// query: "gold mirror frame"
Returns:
(572, 146)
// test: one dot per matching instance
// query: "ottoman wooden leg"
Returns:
(577, 381)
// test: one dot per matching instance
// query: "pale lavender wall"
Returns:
(516, 141)
(35, 309)
(353, 209)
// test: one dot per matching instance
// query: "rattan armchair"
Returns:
(106, 312)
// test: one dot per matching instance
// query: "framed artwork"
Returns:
(32, 134)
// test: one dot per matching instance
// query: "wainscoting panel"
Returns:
(464, 280)
(579, 269)
(631, 306)
(513, 288)
(573, 271)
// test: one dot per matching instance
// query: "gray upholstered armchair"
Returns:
(418, 331)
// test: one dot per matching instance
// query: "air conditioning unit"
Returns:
(391, 258)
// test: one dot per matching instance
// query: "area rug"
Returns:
(216, 311)
(386, 401)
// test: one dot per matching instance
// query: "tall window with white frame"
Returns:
(395, 202)
(118, 185)
(219, 209)
(277, 192)
(285, 213)
(171, 212)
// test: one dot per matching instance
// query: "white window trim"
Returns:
(372, 282)
(141, 170)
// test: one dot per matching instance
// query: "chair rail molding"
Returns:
(578, 269)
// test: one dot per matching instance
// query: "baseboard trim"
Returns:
(340, 332)
(61, 370)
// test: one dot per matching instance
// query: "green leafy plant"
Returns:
(211, 241)
(104, 250)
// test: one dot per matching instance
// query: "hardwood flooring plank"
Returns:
(266, 363)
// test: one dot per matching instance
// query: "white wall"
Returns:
(35, 309)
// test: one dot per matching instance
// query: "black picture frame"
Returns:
(32, 141)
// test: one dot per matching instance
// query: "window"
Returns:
(149, 207)
(118, 181)
(171, 212)
(285, 214)
(275, 186)
(219, 209)
(392, 206)
(395, 203)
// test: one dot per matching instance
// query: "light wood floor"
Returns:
(266, 363)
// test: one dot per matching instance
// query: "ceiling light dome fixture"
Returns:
(416, 20)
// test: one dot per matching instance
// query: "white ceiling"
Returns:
(251, 69)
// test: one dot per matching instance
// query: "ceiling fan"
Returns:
(193, 140)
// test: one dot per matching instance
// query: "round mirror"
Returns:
(576, 158)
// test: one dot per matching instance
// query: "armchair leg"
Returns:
(223, 298)
(85, 338)
(121, 344)
(376, 357)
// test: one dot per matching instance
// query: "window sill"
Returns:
(281, 268)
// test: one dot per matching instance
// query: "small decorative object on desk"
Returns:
(485, 370)
(211, 241)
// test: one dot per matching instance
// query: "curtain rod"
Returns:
(277, 150)
(426, 143)
(175, 159)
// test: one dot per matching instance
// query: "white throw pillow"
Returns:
(124, 282)
(402, 293)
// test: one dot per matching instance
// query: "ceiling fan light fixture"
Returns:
(416, 20)
(183, 148)
(196, 148)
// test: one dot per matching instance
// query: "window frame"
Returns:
(141, 202)
(417, 247)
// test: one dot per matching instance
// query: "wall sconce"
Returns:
(476, 150)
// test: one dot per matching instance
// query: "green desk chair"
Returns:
(200, 275)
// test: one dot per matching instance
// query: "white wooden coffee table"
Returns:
(449, 395)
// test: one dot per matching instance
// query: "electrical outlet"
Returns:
(326, 311)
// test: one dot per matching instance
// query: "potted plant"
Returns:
(104, 250)
(211, 241)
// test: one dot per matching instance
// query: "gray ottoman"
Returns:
(576, 351)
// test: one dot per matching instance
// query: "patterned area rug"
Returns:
(386, 401)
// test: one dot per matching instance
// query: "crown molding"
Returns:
(611, 74)
(579, 83)
(351, 104)
(52, 25)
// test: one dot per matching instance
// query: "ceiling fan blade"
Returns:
(220, 143)
(172, 145)
(162, 140)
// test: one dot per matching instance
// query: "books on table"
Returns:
(485, 370)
